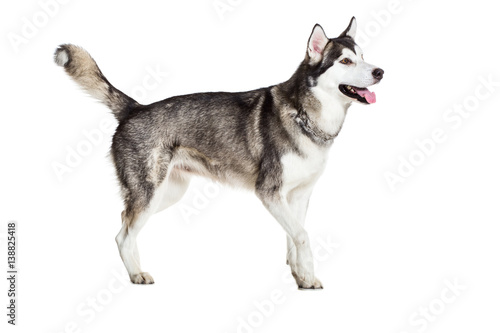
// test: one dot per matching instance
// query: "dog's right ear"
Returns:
(316, 44)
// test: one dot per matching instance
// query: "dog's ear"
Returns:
(316, 44)
(351, 29)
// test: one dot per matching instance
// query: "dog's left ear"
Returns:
(351, 29)
(316, 44)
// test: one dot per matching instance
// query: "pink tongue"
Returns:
(367, 94)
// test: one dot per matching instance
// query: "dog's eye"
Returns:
(346, 61)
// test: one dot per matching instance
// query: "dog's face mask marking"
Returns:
(338, 66)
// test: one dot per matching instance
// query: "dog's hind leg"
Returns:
(167, 194)
(133, 221)
(144, 187)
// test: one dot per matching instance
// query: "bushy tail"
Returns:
(83, 69)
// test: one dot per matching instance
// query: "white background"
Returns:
(214, 256)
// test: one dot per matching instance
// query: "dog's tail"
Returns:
(83, 69)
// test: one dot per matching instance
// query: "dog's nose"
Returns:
(378, 73)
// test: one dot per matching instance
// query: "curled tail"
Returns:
(83, 69)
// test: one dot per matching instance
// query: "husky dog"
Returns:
(273, 141)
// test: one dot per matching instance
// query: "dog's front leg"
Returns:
(303, 270)
(298, 201)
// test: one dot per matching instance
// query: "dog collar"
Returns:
(310, 129)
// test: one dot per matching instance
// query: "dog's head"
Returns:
(337, 66)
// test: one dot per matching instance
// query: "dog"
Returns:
(273, 141)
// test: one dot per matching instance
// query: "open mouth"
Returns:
(361, 94)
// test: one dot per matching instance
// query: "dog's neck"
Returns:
(330, 113)
(319, 114)
(313, 131)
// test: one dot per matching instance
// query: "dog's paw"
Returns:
(142, 278)
(308, 282)
(315, 285)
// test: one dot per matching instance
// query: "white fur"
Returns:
(333, 106)
(299, 170)
(61, 57)
(301, 262)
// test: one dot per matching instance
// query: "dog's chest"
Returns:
(301, 169)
